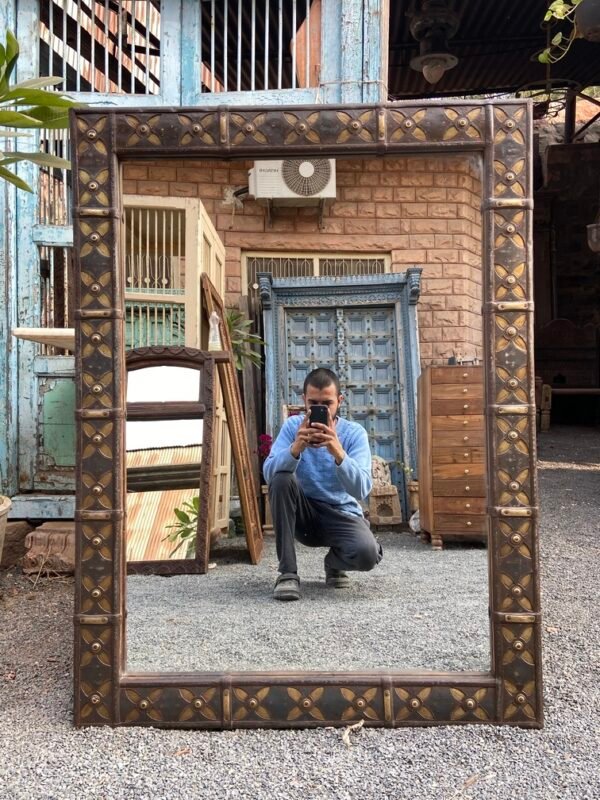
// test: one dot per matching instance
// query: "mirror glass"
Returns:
(425, 605)
(163, 460)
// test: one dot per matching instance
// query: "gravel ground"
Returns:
(43, 757)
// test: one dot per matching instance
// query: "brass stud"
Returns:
(95, 338)
(94, 237)
(517, 591)
(518, 645)
(509, 176)
(513, 383)
(144, 704)
(249, 127)
(510, 228)
(97, 388)
(361, 702)
(514, 486)
(95, 288)
(95, 699)
(415, 702)
(198, 703)
(408, 123)
(92, 186)
(302, 126)
(97, 489)
(462, 122)
(97, 541)
(521, 698)
(511, 331)
(97, 438)
(511, 280)
(470, 703)
(510, 124)
(355, 125)
(307, 702)
(253, 702)
(92, 134)
(143, 129)
(516, 538)
(513, 435)
(196, 128)
(96, 593)
(95, 647)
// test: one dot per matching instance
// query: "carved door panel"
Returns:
(359, 345)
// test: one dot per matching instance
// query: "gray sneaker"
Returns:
(336, 578)
(287, 587)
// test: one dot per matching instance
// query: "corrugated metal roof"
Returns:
(495, 43)
(149, 513)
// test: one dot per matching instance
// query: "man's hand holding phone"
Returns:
(323, 432)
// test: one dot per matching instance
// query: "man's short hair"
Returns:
(321, 378)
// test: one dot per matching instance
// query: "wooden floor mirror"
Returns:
(481, 148)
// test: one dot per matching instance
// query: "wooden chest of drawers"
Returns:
(452, 464)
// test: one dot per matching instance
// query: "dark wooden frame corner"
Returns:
(511, 692)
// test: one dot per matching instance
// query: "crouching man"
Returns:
(317, 472)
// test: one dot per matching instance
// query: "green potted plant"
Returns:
(584, 18)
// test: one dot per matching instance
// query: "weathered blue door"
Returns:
(359, 345)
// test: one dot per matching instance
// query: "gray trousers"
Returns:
(317, 524)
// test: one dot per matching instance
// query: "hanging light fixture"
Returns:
(432, 27)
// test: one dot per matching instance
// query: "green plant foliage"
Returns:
(242, 340)
(560, 43)
(185, 529)
(28, 105)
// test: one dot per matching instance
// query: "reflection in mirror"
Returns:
(164, 457)
(425, 605)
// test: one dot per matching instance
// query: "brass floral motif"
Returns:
(514, 388)
(302, 128)
(355, 126)
(97, 698)
(95, 439)
(467, 705)
(249, 129)
(196, 128)
(463, 124)
(508, 126)
(510, 176)
(516, 596)
(98, 490)
(408, 125)
(98, 541)
(94, 235)
(90, 136)
(413, 704)
(513, 436)
(360, 704)
(97, 594)
(251, 703)
(143, 130)
(306, 703)
(91, 187)
(512, 333)
(95, 647)
(514, 538)
(515, 488)
(511, 282)
(518, 646)
(143, 705)
(98, 290)
(198, 704)
(95, 337)
(98, 389)
(522, 700)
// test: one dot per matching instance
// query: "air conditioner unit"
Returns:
(293, 182)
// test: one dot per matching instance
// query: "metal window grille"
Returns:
(312, 264)
(108, 46)
(56, 281)
(54, 185)
(259, 45)
(154, 252)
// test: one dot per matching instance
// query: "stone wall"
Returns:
(419, 211)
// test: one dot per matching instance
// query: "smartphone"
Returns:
(319, 414)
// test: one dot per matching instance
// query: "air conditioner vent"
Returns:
(306, 177)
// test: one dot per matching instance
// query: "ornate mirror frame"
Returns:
(104, 692)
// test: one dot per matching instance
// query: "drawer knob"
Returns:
(465, 421)
(465, 374)
(465, 438)
(465, 391)
(466, 472)
(466, 455)
(467, 505)
(469, 524)
(467, 488)
(466, 405)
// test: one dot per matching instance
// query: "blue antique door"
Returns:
(359, 345)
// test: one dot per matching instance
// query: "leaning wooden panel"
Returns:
(237, 429)
(501, 133)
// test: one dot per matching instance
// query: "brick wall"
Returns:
(420, 211)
